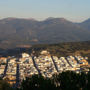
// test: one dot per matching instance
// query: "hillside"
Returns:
(16, 32)
(64, 49)
(86, 24)
(61, 49)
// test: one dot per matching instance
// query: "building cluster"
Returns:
(45, 65)
(3, 62)
(10, 70)
(16, 69)
(26, 67)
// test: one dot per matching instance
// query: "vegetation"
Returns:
(4, 85)
(38, 83)
(65, 49)
(65, 81)
(62, 49)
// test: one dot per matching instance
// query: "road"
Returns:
(35, 65)
(54, 64)
(17, 75)
(69, 62)
(6, 67)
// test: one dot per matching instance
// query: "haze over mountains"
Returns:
(16, 32)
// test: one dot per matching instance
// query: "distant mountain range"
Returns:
(16, 32)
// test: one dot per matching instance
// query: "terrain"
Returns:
(18, 32)
(59, 50)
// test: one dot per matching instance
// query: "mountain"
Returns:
(15, 32)
(86, 24)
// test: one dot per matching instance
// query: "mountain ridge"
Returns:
(18, 31)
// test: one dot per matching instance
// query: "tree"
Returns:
(88, 81)
(37, 82)
(68, 80)
(4, 85)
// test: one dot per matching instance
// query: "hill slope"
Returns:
(86, 24)
(15, 32)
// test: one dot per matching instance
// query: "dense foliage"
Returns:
(65, 81)
(4, 85)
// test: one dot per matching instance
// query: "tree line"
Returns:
(64, 81)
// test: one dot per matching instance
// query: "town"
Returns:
(14, 70)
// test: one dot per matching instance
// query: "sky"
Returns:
(73, 10)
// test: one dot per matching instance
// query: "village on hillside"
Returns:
(14, 69)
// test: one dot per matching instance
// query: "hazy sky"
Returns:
(74, 10)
